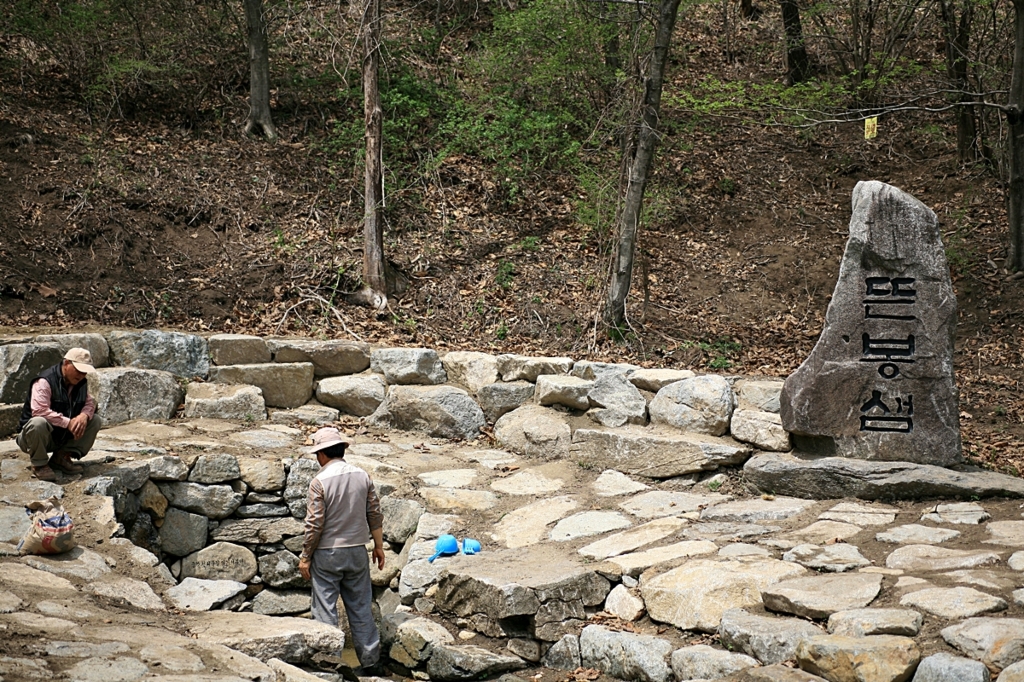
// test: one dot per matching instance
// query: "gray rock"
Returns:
(284, 385)
(860, 514)
(625, 655)
(864, 622)
(527, 649)
(13, 524)
(296, 640)
(296, 488)
(408, 366)
(264, 439)
(257, 531)
(78, 563)
(418, 576)
(996, 642)
(655, 453)
(766, 638)
(953, 603)
(20, 363)
(318, 415)
(775, 508)
(220, 561)
(588, 523)
(623, 604)
(498, 399)
(214, 501)
(134, 592)
(9, 602)
(184, 355)
(219, 401)
(835, 558)
(829, 478)
(665, 503)
(94, 343)
(612, 393)
(584, 369)
(563, 654)
(694, 595)
(758, 394)
(612, 483)
(1007, 533)
(281, 603)
(414, 641)
(1013, 673)
(120, 669)
(329, 358)
(360, 395)
(654, 380)
(525, 368)
(702, 662)
(468, 662)
(281, 569)
(821, 596)
(861, 659)
(633, 539)
(400, 518)
(167, 468)
(10, 415)
(171, 659)
(702, 404)
(124, 394)
(534, 431)
(761, 429)
(888, 337)
(969, 513)
(913, 534)
(183, 533)
(238, 349)
(470, 370)
(261, 510)
(215, 468)
(773, 673)
(562, 389)
(194, 594)
(440, 411)
(931, 558)
(262, 475)
(943, 667)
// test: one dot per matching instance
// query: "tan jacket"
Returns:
(342, 508)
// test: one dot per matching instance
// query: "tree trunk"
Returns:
(1015, 117)
(629, 219)
(259, 121)
(797, 65)
(374, 277)
(958, 36)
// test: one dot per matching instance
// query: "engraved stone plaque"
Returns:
(879, 383)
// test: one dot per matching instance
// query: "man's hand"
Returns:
(304, 565)
(77, 426)
(378, 557)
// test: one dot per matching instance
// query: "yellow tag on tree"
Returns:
(870, 128)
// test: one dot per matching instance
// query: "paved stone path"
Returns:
(685, 578)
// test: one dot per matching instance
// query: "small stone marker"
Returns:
(879, 383)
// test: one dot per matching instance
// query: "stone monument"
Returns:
(879, 384)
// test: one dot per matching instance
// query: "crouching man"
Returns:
(342, 513)
(59, 416)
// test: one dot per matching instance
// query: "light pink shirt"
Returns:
(40, 404)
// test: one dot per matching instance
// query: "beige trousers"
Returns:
(36, 439)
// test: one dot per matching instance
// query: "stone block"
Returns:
(359, 395)
(20, 363)
(702, 404)
(408, 366)
(94, 343)
(184, 355)
(471, 370)
(123, 394)
(219, 401)
(498, 399)
(284, 385)
(329, 358)
(238, 349)
(440, 411)
(654, 452)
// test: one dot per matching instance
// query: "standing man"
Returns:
(342, 513)
(59, 416)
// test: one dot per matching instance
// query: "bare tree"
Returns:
(797, 65)
(639, 167)
(374, 276)
(259, 120)
(1015, 117)
(957, 32)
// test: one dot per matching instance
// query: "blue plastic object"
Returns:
(446, 544)
(470, 546)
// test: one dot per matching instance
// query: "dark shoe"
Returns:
(63, 462)
(44, 473)
(378, 669)
(348, 673)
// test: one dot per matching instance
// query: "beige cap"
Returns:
(328, 436)
(81, 359)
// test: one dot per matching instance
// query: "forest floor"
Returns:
(149, 222)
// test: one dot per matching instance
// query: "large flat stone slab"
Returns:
(914, 534)
(635, 563)
(877, 658)
(630, 540)
(529, 525)
(295, 640)
(864, 622)
(667, 503)
(860, 514)
(654, 452)
(588, 523)
(931, 558)
(284, 385)
(757, 509)
(694, 595)
(821, 596)
(824, 478)
(996, 642)
(769, 639)
(329, 358)
(953, 603)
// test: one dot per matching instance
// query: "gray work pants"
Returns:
(36, 439)
(346, 571)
